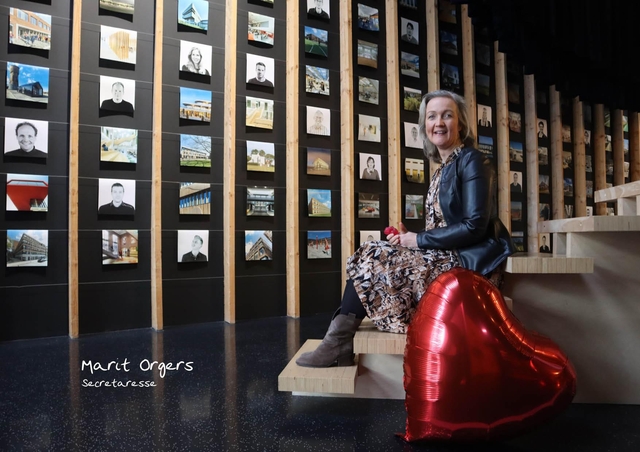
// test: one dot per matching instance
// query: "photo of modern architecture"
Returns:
(260, 202)
(195, 104)
(119, 6)
(258, 245)
(194, 14)
(261, 156)
(259, 113)
(29, 29)
(27, 248)
(119, 247)
(27, 193)
(195, 198)
(27, 83)
(118, 145)
(318, 162)
(195, 151)
(319, 202)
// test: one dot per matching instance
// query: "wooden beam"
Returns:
(74, 158)
(599, 155)
(346, 134)
(634, 147)
(531, 145)
(469, 69)
(229, 166)
(157, 318)
(579, 161)
(293, 187)
(502, 129)
(555, 140)
(433, 59)
(393, 114)
(617, 137)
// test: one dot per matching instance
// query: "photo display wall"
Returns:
(545, 204)
(589, 156)
(568, 178)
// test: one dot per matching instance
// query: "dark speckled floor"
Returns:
(229, 400)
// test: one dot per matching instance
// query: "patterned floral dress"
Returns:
(391, 280)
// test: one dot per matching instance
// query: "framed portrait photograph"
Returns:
(193, 246)
(319, 202)
(368, 18)
(411, 136)
(27, 83)
(542, 130)
(367, 54)
(116, 197)
(318, 244)
(368, 90)
(194, 14)
(29, 29)
(260, 201)
(566, 133)
(545, 243)
(259, 113)
(369, 236)
(118, 145)
(414, 207)
(27, 248)
(319, 9)
(195, 198)
(316, 41)
(516, 181)
(119, 246)
(195, 151)
(117, 95)
(26, 138)
(368, 205)
(515, 122)
(587, 137)
(370, 166)
(409, 31)
(261, 29)
(317, 80)
(261, 156)
(195, 104)
(258, 245)
(484, 116)
(411, 99)
(195, 58)
(448, 42)
(27, 193)
(260, 70)
(409, 64)
(318, 162)
(318, 121)
(414, 170)
(544, 211)
(118, 44)
(369, 128)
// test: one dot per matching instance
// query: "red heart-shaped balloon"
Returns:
(472, 371)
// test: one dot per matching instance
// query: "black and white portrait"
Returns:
(516, 182)
(319, 9)
(195, 58)
(409, 31)
(542, 128)
(116, 197)
(484, 116)
(411, 136)
(318, 121)
(26, 138)
(544, 243)
(370, 166)
(260, 70)
(117, 95)
(193, 246)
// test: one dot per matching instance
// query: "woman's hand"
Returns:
(403, 238)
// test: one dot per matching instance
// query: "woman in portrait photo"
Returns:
(370, 172)
(195, 62)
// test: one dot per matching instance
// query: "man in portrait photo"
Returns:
(27, 135)
(484, 120)
(117, 206)
(117, 102)
(544, 248)
(318, 128)
(195, 255)
(587, 138)
(541, 132)
(408, 36)
(261, 76)
(515, 185)
(318, 9)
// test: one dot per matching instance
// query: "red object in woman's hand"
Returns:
(390, 230)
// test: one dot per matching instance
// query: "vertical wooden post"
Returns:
(555, 140)
(634, 147)
(502, 129)
(346, 133)
(617, 137)
(579, 161)
(433, 58)
(229, 212)
(469, 69)
(599, 155)
(393, 113)
(74, 157)
(157, 318)
(293, 152)
(531, 144)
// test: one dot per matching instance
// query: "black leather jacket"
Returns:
(468, 201)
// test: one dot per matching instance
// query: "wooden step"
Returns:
(600, 223)
(334, 380)
(544, 263)
(630, 190)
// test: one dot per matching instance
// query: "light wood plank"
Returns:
(579, 161)
(555, 141)
(469, 69)
(433, 59)
(617, 135)
(599, 155)
(369, 339)
(393, 114)
(542, 263)
(502, 129)
(601, 223)
(627, 206)
(74, 157)
(333, 380)
(229, 162)
(634, 146)
(531, 148)
(629, 190)
(293, 152)
(157, 315)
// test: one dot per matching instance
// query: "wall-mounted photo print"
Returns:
(318, 244)
(515, 122)
(369, 128)
(518, 240)
(515, 151)
(587, 137)
(117, 44)
(414, 170)
(590, 187)
(542, 128)
(516, 182)
(483, 83)
(27, 193)
(607, 143)
(117, 95)
(370, 166)
(319, 9)
(367, 54)
(27, 248)
(195, 58)
(447, 12)
(368, 205)
(414, 207)
(195, 150)
(543, 183)
(589, 211)
(195, 104)
(483, 54)
(318, 162)
(543, 155)
(259, 113)
(316, 41)
(119, 246)
(194, 14)
(258, 245)
(318, 121)
(317, 81)
(484, 116)
(544, 213)
(368, 18)
(409, 31)
(544, 241)
(116, 197)
(118, 6)
(195, 198)
(588, 164)
(409, 64)
(369, 236)
(566, 134)
(260, 202)
(368, 90)
(568, 211)
(411, 136)
(260, 70)
(567, 159)
(261, 156)
(319, 202)
(412, 98)
(118, 145)
(568, 186)
(516, 210)
(27, 83)
(193, 246)
(448, 42)
(513, 93)
(26, 138)
(450, 77)
(29, 29)
(261, 29)
(485, 145)
(410, 4)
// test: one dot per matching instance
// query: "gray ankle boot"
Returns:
(336, 349)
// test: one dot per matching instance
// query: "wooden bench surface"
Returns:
(547, 263)
(598, 223)
(619, 191)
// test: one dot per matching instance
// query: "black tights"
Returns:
(351, 302)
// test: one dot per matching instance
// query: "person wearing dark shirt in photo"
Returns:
(117, 103)
(408, 36)
(544, 248)
(195, 255)
(318, 11)
(261, 76)
(515, 185)
(26, 134)
(541, 133)
(117, 206)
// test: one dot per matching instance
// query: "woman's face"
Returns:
(370, 163)
(195, 56)
(441, 123)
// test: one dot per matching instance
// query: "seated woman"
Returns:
(388, 278)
